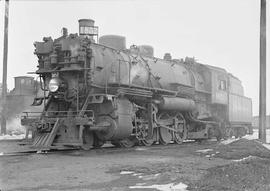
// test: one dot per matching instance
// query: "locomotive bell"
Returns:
(87, 28)
(167, 56)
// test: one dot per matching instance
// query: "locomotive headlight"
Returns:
(54, 84)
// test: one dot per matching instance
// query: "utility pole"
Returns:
(262, 114)
(4, 81)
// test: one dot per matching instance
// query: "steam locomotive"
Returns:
(99, 92)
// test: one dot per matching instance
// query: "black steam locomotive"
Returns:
(98, 92)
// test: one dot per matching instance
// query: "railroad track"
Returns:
(108, 148)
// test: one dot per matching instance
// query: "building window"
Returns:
(28, 82)
(222, 85)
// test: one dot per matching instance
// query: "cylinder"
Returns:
(113, 41)
(176, 103)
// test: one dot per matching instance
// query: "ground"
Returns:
(240, 165)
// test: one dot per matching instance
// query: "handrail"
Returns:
(73, 113)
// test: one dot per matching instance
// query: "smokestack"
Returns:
(87, 28)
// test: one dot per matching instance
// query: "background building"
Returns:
(20, 99)
(255, 122)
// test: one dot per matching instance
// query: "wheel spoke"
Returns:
(181, 129)
(143, 132)
(149, 141)
(165, 136)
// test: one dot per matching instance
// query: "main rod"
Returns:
(4, 80)
(262, 112)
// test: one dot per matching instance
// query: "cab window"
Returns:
(222, 85)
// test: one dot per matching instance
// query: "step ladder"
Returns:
(45, 140)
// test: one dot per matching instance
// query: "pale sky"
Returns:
(223, 33)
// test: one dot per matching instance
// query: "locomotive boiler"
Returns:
(97, 90)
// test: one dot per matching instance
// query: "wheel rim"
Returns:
(116, 143)
(164, 134)
(142, 129)
(149, 141)
(88, 139)
(181, 128)
(98, 142)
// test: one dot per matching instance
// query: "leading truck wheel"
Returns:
(116, 143)
(125, 143)
(145, 140)
(150, 141)
(128, 142)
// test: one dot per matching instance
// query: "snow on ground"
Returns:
(12, 137)
(204, 150)
(243, 159)
(266, 146)
(162, 187)
(140, 175)
(141, 149)
(228, 141)
(126, 172)
(14, 126)
(14, 130)
(137, 174)
(149, 177)
(255, 135)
